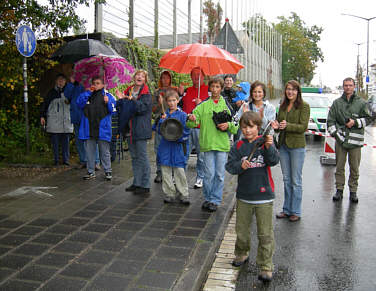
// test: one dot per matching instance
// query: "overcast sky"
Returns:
(338, 40)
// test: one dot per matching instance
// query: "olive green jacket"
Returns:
(297, 123)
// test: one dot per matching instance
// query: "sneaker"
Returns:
(89, 176)
(198, 183)
(338, 196)
(142, 190)
(168, 199)
(158, 178)
(66, 163)
(185, 200)
(97, 167)
(108, 176)
(240, 260)
(212, 207)
(205, 205)
(265, 276)
(131, 188)
(353, 197)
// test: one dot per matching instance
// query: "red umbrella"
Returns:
(211, 59)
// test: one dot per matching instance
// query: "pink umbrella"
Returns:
(115, 70)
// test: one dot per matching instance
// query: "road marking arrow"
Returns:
(26, 189)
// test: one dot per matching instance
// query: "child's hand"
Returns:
(163, 116)
(245, 108)
(119, 94)
(42, 121)
(245, 164)
(223, 126)
(275, 124)
(268, 141)
(282, 124)
(105, 98)
(191, 117)
(160, 99)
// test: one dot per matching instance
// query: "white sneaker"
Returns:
(198, 183)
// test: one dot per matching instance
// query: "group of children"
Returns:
(255, 189)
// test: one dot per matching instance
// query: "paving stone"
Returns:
(84, 236)
(136, 254)
(37, 273)
(10, 223)
(127, 205)
(61, 284)
(197, 214)
(154, 233)
(31, 249)
(174, 210)
(130, 226)
(163, 225)
(96, 207)
(110, 283)
(147, 211)
(109, 245)
(14, 262)
(13, 240)
(143, 243)
(95, 227)
(168, 217)
(159, 280)
(70, 247)
(81, 270)
(139, 218)
(62, 229)
(3, 216)
(13, 285)
(182, 242)
(4, 273)
(187, 232)
(166, 266)
(120, 235)
(193, 223)
(48, 238)
(43, 222)
(173, 253)
(4, 231)
(75, 221)
(52, 259)
(4, 250)
(28, 230)
(96, 257)
(116, 212)
(126, 267)
(86, 214)
(108, 220)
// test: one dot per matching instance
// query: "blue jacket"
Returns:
(104, 130)
(242, 95)
(71, 92)
(171, 153)
(136, 114)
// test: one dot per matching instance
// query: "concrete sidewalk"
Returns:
(92, 235)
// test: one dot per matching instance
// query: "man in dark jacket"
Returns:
(347, 118)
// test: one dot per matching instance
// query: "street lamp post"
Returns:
(368, 20)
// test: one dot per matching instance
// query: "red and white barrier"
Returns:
(326, 135)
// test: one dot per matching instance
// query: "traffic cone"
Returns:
(329, 156)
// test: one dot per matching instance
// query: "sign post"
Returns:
(26, 44)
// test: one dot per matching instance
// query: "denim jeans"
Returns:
(80, 144)
(140, 162)
(292, 161)
(56, 140)
(91, 147)
(157, 141)
(194, 140)
(214, 175)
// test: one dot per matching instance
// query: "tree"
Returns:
(300, 50)
(214, 17)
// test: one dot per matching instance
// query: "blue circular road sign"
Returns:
(25, 41)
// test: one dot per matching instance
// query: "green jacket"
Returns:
(297, 123)
(211, 138)
(340, 111)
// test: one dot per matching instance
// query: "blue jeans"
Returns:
(56, 140)
(91, 147)
(157, 141)
(80, 144)
(194, 140)
(292, 161)
(140, 162)
(214, 175)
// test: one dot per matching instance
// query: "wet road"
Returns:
(333, 246)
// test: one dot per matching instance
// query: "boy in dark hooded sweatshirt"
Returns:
(255, 193)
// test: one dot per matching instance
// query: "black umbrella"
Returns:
(78, 49)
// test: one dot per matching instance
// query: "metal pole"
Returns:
(189, 21)
(26, 106)
(174, 36)
(131, 19)
(156, 30)
(201, 25)
(367, 80)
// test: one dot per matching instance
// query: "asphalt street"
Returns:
(333, 246)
